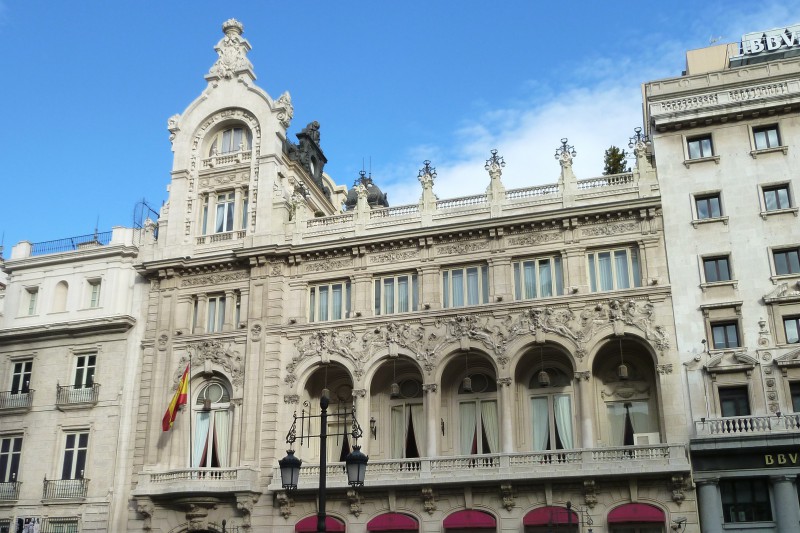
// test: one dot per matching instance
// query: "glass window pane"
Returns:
(702, 208)
(592, 274)
(705, 147)
(323, 303)
(714, 209)
(414, 293)
(790, 326)
(336, 291)
(402, 294)
(445, 289)
(388, 295)
(621, 269)
(794, 262)
(559, 275)
(770, 200)
(473, 294)
(484, 285)
(517, 286)
(458, 287)
(529, 270)
(377, 297)
(694, 149)
(605, 272)
(545, 278)
(761, 139)
(781, 263)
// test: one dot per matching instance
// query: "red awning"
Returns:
(309, 525)
(470, 520)
(545, 516)
(636, 512)
(393, 522)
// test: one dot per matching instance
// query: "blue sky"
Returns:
(88, 87)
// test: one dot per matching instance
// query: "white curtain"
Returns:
(323, 303)
(222, 432)
(402, 294)
(637, 273)
(545, 279)
(604, 271)
(563, 416)
(592, 274)
(541, 423)
(420, 431)
(621, 266)
(220, 215)
(388, 296)
(616, 423)
(398, 431)
(200, 437)
(212, 315)
(337, 301)
(472, 287)
(458, 288)
(530, 279)
(559, 275)
(467, 419)
(491, 426)
(641, 419)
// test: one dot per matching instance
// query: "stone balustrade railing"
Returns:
(464, 201)
(612, 180)
(222, 160)
(197, 480)
(529, 192)
(398, 211)
(737, 426)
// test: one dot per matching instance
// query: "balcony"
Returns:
(507, 467)
(738, 426)
(70, 397)
(197, 481)
(223, 160)
(15, 402)
(65, 489)
(9, 490)
(221, 237)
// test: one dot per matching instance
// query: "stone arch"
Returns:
(217, 120)
(455, 353)
(383, 355)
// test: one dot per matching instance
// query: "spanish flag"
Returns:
(177, 400)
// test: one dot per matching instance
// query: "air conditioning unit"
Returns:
(640, 439)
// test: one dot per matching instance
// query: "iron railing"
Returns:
(9, 490)
(71, 243)
(59, 525)
(69, 394)
(16, 400)
(60, 489)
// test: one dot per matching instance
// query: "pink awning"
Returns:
(309, 525)
(636, 512)
(545, 516)
(470, 520)
(393, 522)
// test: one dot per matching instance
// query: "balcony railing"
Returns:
(197, 480)
(622, 460)
(747, 425)
(233, 158)
(9, 490)
(67, 396)
(63, 489)
(10, 400)
(69, 244)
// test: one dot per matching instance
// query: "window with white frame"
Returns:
(224, 212)
(776, 197)
(551, 410)
(10, 454)
(329, 301)
(212, 428)
(716, 269)
(791, 327)
(231, 140)
(222, 217)
(215, 313)
(699, 147)
(94, 292)
(479, 429)
(708, 206)
(21, 377)
(787, 261)
(396, 294)
(84, 370)
(614, 269)
(766, 137)
(725, 335)
(541, 277)
(31, 300)
(76, 445)
(465, 286)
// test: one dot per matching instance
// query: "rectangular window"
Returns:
(786, 261)
(396, 294)
(465, 286)
(794, 390)
(75, 448)
(745, 500)
(215, 314)
(538, 278)
(614, 269)
(734, 401)
(329, 301)
(776, 198)
(10, 453)
(84, 370)
(725, 335)
(766, 137)
(716, 269)
(225, 204)
(700, 147)
(21, 377)
(791, 326)
(94, 293)
(245, 203)
(59, 525)
(205, 215)
(708, 206)
(33, 296)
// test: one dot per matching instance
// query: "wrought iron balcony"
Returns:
(9, 490)
(71, 397)
(737, 426)
(197, 481)
(561, 464)
(11, 401)
(64, 489)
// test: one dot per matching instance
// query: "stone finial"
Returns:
(639, 143)
(565, 153)
(427, 175)
(494, 165)
(232, 51)
(285, 109)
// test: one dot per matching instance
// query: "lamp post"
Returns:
(356, 461)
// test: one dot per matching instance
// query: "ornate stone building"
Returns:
(506, 353)
(725, 138)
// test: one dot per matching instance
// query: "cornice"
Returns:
(81, 256)
(71, 328)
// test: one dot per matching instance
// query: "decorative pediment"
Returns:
(782, 293)
(789, 359)
(731, 361)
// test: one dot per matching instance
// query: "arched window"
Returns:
(408, 420)
(212, 428)
(478, 421)
(551, 410)
(236, 139)
(60, 297)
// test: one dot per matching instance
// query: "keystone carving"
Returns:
(428, 500)
(214, 353)
(285, 503)
(507, 493)
(146, 509)
(245, 503)
(589, 493)
(355, 502)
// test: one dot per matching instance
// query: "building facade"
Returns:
(724, 135)
(508, 355)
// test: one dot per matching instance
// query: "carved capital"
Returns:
(583, 375)
(504, 381)
(291, 399)
(430, 387)
(359, 393)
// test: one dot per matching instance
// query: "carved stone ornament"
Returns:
(245, 503)
(163, 340)
(291, 399)
(495, 334)
(532, 239)
(172, 126)
(610, 229)
(664, 369)
(428, 500)
(146, 509)
(462, 248)
(232, 50)
(507, 493)
(328, 265)
(589, 493)
(197, 518)
(216, 353)
(285, 502)
(355, 502)
(679, 484)
(215, 279)
(393, 257)
(285, 109)
(276, 269)
(255, 332)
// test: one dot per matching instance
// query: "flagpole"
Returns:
(189, 408)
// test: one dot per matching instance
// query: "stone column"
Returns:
(237, 208)
(787, 517)
(506, 415)
(211, 224)
(710, 505)
(431, 412)
(587, 416)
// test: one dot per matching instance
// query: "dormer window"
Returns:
(232, 140)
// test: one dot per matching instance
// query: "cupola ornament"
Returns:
(232, 50)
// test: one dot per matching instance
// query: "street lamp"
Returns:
(356, 461)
